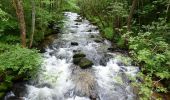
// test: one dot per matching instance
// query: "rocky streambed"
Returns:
(79, 65)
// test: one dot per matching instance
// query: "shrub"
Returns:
(108, 33)
(17, 61)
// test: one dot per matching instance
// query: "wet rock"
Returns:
(89, 30)
(72, 31)
(79, 55)
(85, 63)
(93, 96)
(77, 24)
(92, 36)
(19, 89)
(46, 42)
(123, 69)
(84, 84)
(111, 49)
(77, 58)
(80, 60)
(45, 85)
(97, 41)
(78, 20)
(74, 44)
(74, 26)
(15, 98)
(75, 51)
(76, 61)
(105, 59)
(96, 28)
(120, 64)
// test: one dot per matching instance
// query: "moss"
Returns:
(2, 94)
(77, 60)
(3, 87)
(85, 63)
(79, 55)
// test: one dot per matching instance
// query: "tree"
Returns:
(134, 3)
(20, 14)
(33, 23)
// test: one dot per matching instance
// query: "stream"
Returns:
(60, 79)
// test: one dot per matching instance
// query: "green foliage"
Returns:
(10, 39)
(108, 33)
(17, 61)
(144, 88)
(151, 51)
(117, 9)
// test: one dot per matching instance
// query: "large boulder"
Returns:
(85, 63)
(80, 60)
(77, 58)
(76, 61)
(85, 84)
(79, 55)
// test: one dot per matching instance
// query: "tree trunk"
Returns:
(20, 14)
(33, 23)
(131, 14)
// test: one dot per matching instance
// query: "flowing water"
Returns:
(60, 79)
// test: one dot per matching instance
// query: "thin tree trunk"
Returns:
(20, 14)
(131, 14)
(33, 23)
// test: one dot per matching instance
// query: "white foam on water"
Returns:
(111, 86)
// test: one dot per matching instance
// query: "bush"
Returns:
(17, 61)
(108, 33)
(153, 56)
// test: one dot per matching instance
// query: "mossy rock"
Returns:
(97, 41)
(85, 63)
(76, 61)
(2, 94)
(79, 55)
(80, 60)
(4, 86)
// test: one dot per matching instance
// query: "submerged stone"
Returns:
(97, 41)
(77, 24)
(74, 44)
(89, 30)
(92, 36)
(84, 84)
(111, 49)
(78, 20)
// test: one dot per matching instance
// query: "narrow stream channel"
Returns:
(60, 79)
